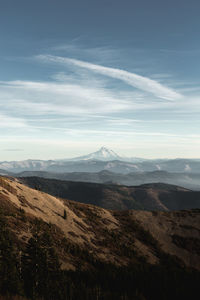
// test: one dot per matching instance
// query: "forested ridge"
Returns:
(33, 271)
(155, 196)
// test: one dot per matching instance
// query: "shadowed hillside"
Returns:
(145, 197)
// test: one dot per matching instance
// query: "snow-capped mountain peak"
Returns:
(106, 153)
(103, 154)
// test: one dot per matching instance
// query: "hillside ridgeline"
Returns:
(161, 197)
(92, 251)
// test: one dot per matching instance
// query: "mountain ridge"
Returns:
(186, 180)
(90, 226)
(157, 196)
(91, 165)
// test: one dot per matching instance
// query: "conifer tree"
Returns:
(41, 267)
(9, 273)
(65, 214)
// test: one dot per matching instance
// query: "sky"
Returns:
(78, 75)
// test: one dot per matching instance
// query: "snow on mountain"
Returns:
(103, 159)
(103, 154)
(24, 165)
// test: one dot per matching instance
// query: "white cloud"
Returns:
(137, 81)
(78, 107)
(11, 122)
(63, 98)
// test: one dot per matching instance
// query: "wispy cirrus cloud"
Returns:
(70, 98)
(61, 98)
(77, 103)
(137, 81)
(7, 121)
(100, 53)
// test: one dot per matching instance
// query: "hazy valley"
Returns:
(104, 166)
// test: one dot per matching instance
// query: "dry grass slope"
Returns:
(114, 237)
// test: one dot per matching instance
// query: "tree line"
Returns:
(35, 273)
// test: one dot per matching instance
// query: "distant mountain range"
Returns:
(186, 180)
(103, 159)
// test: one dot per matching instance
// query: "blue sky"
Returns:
(76, 75)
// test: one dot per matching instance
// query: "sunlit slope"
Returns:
(116, 237)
